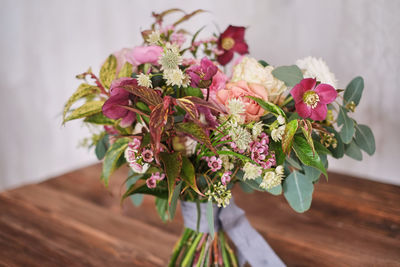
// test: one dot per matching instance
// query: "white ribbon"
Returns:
(250, 244)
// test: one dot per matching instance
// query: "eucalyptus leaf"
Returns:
(365, 138)
(162, 207)
(311, 173)
(298, 191)
(347, 131)
(353, 91)
(353, 151)
(290, 75)
(102, 147)
(263, 63)
(136, 199)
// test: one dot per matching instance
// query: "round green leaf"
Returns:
(298, 191)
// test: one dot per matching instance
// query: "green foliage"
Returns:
(140, 187)
(102, 147)
(174, 200)
(337, 152)
(162, 208)
(311, 173)
(305, 154)
(287, 139)
(196, 131)
(126, 70)
(263, 63)
(298, 191)
(100, 119)
(353, 91)
(347, 131)
(111, 158)
(268, 106)
(136, 199)
(306, 128)
(365, 138)
(279, 155)
(353, 151)
(83, 90)
(172, 167)
(290, 75)
(191, 91)
(108, 71)
(188, 174)
(87, 109)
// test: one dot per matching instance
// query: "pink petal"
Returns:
(319, 112)
(327, 94)
(303, 110)
(128, 119)
(259, 90)
(308, 83)
(297, 93)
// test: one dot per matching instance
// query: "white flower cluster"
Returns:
(278, 132)
(144, 80)
(154, 37)
(236, 109)
(220, 194)
(251, 171)
(251, 71)
(272, 178)
(317, 68)
(239, 134)
(170, 60)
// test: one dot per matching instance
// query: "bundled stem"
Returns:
(200, 249)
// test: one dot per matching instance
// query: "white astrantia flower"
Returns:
(186, 80)
(144, 80)
(281, 120)
(257, 129)
(240, 136)
(270, 180)
(251, 71)
(170, 59)
(317, 68)
(174, 77)
(236, 107)
(190, 145)
(278, 133)
(154, 37)
(251, 171)
(226, 162)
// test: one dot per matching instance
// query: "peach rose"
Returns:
(241, 89)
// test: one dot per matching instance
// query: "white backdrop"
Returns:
(44, 44)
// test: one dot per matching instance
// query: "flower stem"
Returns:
(290, 98)
(178, 246)
(187, 260)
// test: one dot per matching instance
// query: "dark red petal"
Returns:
(238, 33)
(241, 48)
(319, 112)
(303, 110)
(327, 94)
(225, 58)
(297, 93)
(308, 83)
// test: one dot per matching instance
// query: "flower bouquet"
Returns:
(190, 131)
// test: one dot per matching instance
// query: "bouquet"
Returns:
(190, 129)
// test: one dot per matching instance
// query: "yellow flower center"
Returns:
(311, 99)
(228, 43)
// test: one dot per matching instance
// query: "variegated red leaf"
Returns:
(201, 102)
(148, 95)
(158, 120)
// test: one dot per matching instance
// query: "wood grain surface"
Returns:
(73, 220)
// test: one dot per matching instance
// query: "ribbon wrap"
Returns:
(251, 246)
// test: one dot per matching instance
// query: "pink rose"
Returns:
(241, 89)
(144, 54)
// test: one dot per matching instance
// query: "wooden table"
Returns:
(72, 220)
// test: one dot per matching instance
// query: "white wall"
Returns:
(45, 43)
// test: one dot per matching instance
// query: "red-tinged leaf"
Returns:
(189, 107)
(197, 132)
(287, 139)
(134, 110)
(203, 103)
(188, 174)
(172, 167)
(188, 16)
(306, 128)
(160, 16)
(148, 95)
(158, 120)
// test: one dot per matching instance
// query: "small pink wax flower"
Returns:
(311, 100)
(157, 176)
(151, 182)
(214, 163)
(135, 144)
(226, 177)
(147, 155)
